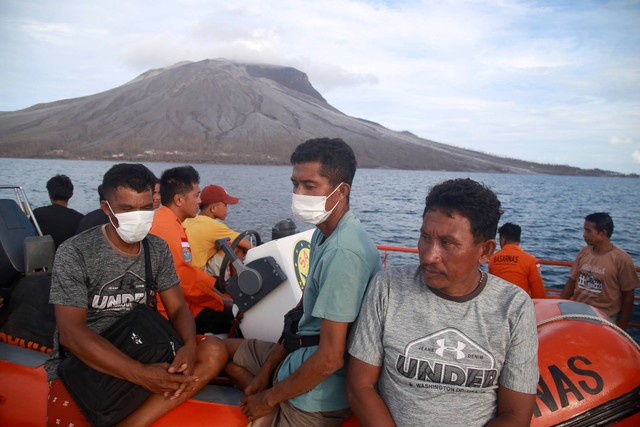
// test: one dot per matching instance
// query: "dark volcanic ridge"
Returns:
(217, 111)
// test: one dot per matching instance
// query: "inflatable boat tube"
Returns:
(589, 368)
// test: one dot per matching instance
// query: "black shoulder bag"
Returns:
(290, 338)
(142, 334)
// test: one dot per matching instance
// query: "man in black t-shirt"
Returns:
(57, 219)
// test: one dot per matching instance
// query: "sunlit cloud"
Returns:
(614, 140)
(50, 33)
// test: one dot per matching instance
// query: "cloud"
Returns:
(315, 39)
(164, 49)
(614, 140)
(329, 76)
(636, 156)
(54, 33)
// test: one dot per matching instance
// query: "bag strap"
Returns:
(290, 338)
(149, 285)
(150, 281)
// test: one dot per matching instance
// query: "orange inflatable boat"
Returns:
(589, 368)
(589, 375)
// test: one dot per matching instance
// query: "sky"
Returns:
(546, 81)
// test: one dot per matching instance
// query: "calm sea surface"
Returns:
(550, 209)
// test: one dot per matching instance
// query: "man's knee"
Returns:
(212, 351)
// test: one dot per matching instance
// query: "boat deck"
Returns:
(212, 393)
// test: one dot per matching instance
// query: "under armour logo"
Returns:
(135, 338)
(458, 350)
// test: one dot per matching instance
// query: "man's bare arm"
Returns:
(325, 361)
(179, 315)
(363, 398)
(514, 408)
(627, 309)
(567, 292)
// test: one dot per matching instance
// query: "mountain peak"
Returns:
(286, 76)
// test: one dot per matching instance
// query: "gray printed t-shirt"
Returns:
(442, 359)
(88, 272)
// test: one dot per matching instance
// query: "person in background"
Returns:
(206, 228)
(443, 343)
(57, 219)
(603, 275)
(156, 195)
(308, 382)
(180, 193)
(95, 217)
(514, 265)
(95, 276)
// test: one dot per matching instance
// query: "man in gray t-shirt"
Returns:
(443, 343)
(97, 277)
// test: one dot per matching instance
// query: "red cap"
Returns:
(215, 193)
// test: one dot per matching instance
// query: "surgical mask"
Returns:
(310, 209)
(133, 226)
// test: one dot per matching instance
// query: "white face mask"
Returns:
(310, 209)
(133, 226)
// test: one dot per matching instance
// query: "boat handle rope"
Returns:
(596, 318)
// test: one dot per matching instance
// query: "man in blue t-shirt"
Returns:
(308, 382)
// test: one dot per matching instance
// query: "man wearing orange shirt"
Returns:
(514, 265)
(180, 193)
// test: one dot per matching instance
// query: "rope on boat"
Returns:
(596, 318)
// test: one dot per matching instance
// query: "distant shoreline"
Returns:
(569, 170)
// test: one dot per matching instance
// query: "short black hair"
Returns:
(135, 176)
(602, 220)
(336, 157)
(60, 187)
(510, 231)
(100, 193)
(472, 200)
(179, 180)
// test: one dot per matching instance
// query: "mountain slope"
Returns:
(224, 112)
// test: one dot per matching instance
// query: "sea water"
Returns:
(389, 203)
